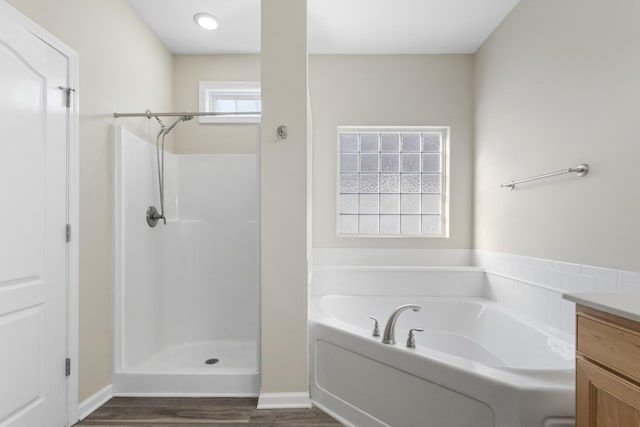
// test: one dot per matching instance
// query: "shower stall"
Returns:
(186, 292)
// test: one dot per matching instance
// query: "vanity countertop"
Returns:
(622, 305)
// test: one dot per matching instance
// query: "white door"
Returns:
(33, 216)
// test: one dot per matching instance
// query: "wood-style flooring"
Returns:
(200, 412)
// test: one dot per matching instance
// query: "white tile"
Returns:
(568, 317)
(510, 293)
(586, 284)
(493, 263)
(485, 260)
(606, 285)
(508, 268)
(494, 266)
(541, 275)
(524, 272)
(455, 257)
(497, 290)
(555, 278)
(502, 258)
(566, 266)
(540, 262)
(525, 301)
(529, 273)
(518, 270)
(569, 282)
(628, 276)
(509, 257)
(628, 287)
(604, 273)
(519, 259)
(480, 258)
(554, 309)
(539, 309)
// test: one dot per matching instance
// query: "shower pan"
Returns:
(186, 292)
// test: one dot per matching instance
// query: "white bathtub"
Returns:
(475, 365)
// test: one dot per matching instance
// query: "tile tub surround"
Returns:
(427, 272)
(392, 257)
(531, 285)
(398, 281)
(535, 286)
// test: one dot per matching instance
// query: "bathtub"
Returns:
(477, 364)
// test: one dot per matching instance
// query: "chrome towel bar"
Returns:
(580, 170)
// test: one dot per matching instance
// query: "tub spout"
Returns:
(389, 330)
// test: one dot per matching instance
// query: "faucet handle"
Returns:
(376, 329)
(411, 341)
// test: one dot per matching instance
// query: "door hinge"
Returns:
(68, 233)
(67, 95)
(67, 367)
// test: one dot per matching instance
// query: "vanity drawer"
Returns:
(611, 345)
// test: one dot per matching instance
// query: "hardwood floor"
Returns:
(200, 412)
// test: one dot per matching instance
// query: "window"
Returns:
(230, 97)
(393, 181)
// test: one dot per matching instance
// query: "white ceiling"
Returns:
(335, 26)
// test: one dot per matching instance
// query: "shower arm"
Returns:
(162, 125)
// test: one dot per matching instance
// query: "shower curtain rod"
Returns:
(149, 114)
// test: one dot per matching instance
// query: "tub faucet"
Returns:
(389, 330)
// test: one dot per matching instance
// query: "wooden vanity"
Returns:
(607, 362)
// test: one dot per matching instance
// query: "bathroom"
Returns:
(553, 86)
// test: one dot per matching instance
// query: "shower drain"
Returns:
(211, 361)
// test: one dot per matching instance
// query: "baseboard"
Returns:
(170, 394)
(93, 402)
(284, 400)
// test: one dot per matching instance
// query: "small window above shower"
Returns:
(230, 97)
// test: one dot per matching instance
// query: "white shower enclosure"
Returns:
(186, 293)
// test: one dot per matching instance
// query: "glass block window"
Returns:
(230, 97)
(393, 181)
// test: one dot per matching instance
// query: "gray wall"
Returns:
(391, 90)
(283, 193)
(558, 84)
(196, 138)
(376, 90)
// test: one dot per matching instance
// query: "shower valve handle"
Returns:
(376, 329)
(411, 341)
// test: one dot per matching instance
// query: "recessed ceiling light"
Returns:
(206, 21)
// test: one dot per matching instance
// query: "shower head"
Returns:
(162, 125)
